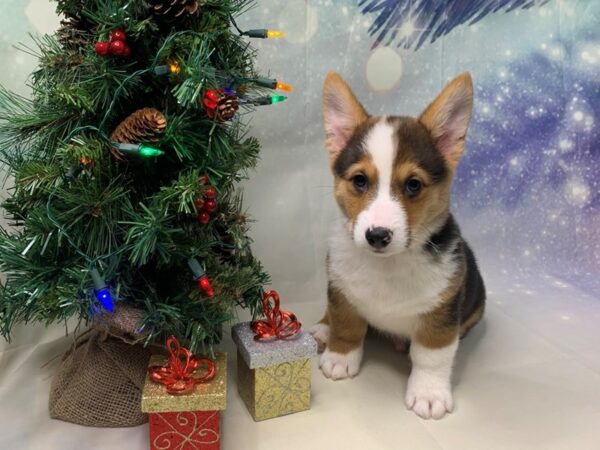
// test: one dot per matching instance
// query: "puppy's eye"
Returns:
(360, 182)
(413, 186)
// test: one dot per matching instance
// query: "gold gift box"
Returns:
(274, 377)
(274, 391)
(211, 396)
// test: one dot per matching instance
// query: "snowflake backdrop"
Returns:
(532, 171)
(534, 157)
(527, 191)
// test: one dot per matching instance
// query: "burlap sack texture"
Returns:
(100, 379)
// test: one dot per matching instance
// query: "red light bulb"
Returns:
(212, 95)
(204, 283)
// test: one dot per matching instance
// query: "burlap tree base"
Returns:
(100, 379)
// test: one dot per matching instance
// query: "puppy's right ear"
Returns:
(342, 113)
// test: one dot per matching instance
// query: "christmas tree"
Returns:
(123, 169)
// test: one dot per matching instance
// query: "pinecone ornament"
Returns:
(144, 125)
(71, 36)
(174, 9)
(226, 108)
(220, 105)
(75, 34)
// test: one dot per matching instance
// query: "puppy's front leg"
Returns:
(343, 355)
(429, 390)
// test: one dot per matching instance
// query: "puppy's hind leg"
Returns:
(343, 354)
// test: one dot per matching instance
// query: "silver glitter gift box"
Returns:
(273, 376)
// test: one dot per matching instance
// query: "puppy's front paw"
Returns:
(320, 331)
(338, 366)
(428, 397)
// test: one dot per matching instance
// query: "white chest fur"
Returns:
(389, 292)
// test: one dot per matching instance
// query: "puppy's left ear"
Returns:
(447, 118)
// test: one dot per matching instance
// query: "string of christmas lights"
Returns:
(116, 46)
(259, 33)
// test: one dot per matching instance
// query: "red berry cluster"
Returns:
(207, 205)
(211, 101)
(115, 45)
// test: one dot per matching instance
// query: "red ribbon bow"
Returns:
(178, 374)
(279, 324)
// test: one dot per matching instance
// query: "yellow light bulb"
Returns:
(284, 87)
(174, 67)
(272, 34)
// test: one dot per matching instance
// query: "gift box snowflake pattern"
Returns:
(274, 377)
(190, 421)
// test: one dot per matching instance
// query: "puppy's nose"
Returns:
(379, 237)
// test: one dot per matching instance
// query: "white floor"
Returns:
(527, 377)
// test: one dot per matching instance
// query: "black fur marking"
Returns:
(471, 296)
(354, 150)
(415, 144)
(474, 287)
(441, 241)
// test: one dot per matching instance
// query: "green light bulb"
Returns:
(149, 151)
(278, 98)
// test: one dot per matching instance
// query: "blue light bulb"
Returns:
(105, 298)
(102, 291)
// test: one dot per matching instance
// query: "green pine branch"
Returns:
(77, 204)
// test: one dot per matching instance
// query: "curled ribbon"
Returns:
(178, 374)
(278, 325)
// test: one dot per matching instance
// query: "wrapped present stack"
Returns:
(183, 396)
(273, 362)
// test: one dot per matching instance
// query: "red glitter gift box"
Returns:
(190, 421)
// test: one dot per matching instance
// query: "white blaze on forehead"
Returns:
(384, 210)
(381, 145)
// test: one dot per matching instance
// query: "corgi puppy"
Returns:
(397, 262)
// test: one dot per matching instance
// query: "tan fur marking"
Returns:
(434, 329)
(429, 205)
(347, 329)
(325, 319)
(350, 201)
(409, 169)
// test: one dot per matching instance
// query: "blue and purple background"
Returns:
(527, 191)
(526, 194)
